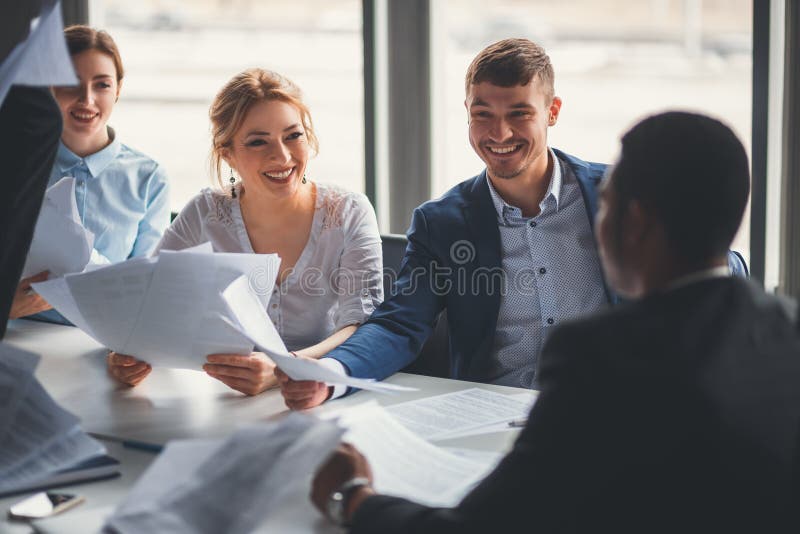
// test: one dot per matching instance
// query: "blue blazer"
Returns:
(453, 261)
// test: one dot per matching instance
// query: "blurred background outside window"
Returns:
(615, 62)
(178, 54)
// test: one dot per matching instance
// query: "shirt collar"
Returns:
(66, 159)
(504, 209)
(706, 274)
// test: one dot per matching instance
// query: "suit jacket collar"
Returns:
(481, 218)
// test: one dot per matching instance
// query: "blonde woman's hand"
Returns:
(127, 369)
(250, 374)
(26, 301)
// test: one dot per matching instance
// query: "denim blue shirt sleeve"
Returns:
(122, 197)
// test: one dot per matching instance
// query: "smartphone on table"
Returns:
(44, 504)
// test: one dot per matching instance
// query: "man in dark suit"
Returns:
(30, 126)
(509, 253)
(678, 411)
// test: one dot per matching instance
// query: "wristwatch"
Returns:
(337, 501)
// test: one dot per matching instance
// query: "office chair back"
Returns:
(434, 358)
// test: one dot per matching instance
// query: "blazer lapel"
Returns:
(481, 217)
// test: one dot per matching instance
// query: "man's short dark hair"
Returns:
(512, 62)
(692, 172)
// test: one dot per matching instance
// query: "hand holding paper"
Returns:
(165, 310)
(254, 324)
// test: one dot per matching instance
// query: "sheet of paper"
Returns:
(62, 451)
(110, 299)
(453, 414)
(528, 398)
(37, 435)
(167, 310)
(407, 466)
(482, 457)
(16, 375)
(42, 59)
(57, 293)
(60, 243)
(254, 323)
(185, 295)
(210, 486)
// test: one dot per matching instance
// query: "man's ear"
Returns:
(554, 110)
(639, 223)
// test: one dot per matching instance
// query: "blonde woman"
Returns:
(330, 277)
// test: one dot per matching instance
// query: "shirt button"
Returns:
(550, 320)
(365, 292)
(532, 224)
(542, 270)
(274, 306)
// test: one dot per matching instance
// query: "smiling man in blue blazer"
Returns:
(510, 253)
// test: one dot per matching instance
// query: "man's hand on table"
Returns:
(345, 464)
(302, 394)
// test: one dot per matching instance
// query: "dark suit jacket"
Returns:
(677, 413)
(30, 126)
(453, 261)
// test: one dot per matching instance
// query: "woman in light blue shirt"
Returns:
(122, 194)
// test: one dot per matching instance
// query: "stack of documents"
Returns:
(166, 310)
(60, 243)
(231, 485)
(42, 443)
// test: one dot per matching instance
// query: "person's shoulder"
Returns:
(208, 201)
(600, 345)
(775, 310)
(592, 170)
(342, 208)
(573, 336)
(131, 157)
(337, 198)
(454, 199)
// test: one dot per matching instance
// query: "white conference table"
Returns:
(179, 404)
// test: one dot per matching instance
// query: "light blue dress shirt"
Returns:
(122, 196)
(552, 274)
(123, 199)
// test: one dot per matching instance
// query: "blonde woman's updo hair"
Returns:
(234, 101)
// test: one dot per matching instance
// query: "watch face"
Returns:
(336, 507)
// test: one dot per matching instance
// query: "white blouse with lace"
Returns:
(336, 282)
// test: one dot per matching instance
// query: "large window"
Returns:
(615, 61)
(178, 54)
